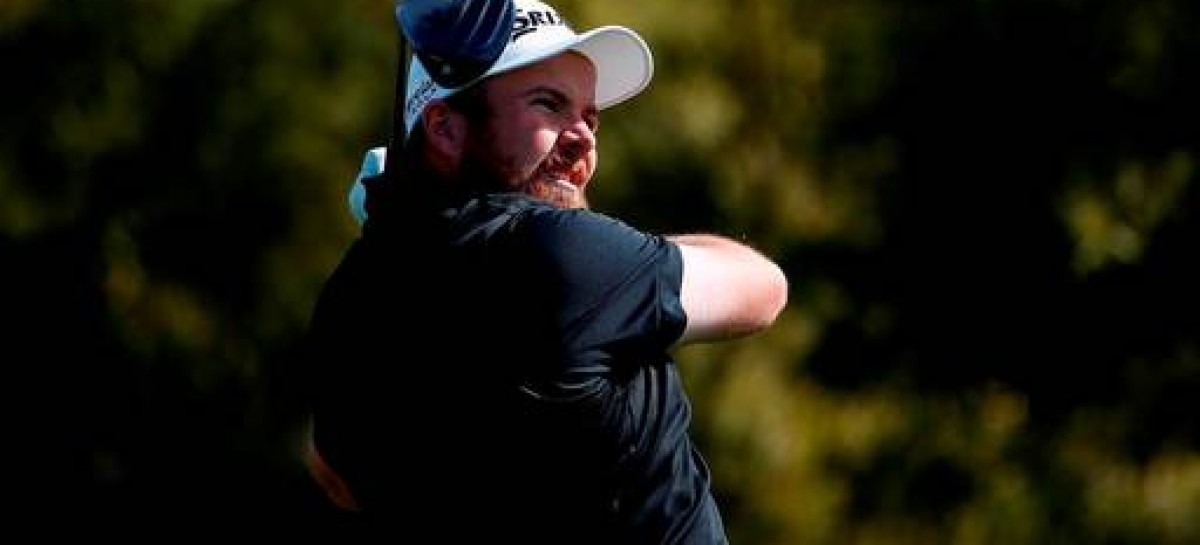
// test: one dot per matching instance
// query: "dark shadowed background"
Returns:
(988, 212)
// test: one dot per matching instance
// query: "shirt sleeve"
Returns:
(618, 287)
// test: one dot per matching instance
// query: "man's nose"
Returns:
(578, 138)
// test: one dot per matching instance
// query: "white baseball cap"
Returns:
(622, 59)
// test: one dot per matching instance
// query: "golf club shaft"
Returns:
(396, 145)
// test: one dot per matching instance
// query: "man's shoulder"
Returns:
(517, 218)
(528, 214)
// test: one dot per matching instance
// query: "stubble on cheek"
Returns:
(493, 172)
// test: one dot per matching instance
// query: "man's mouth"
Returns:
(556, 187)
(561, 189)
(560, 181)
(563, 185)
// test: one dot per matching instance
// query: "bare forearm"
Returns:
(729, 288)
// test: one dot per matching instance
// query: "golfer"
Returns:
(492, 357)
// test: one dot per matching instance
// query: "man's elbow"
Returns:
(746, 303)
(770, 295)
(773, 298)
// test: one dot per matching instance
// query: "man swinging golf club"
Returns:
(491, 357)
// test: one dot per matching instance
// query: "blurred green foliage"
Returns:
(985, 210)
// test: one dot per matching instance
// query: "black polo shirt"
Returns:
(499, 369)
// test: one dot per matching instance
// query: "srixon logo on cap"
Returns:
(527, 21)
(423, 93)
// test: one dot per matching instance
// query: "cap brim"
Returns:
(623, 63)
(622, 59)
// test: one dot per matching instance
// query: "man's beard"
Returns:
(488, 175)
(557, 192)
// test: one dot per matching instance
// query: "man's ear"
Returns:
(444, 127)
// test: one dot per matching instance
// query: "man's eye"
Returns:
(548, 104)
